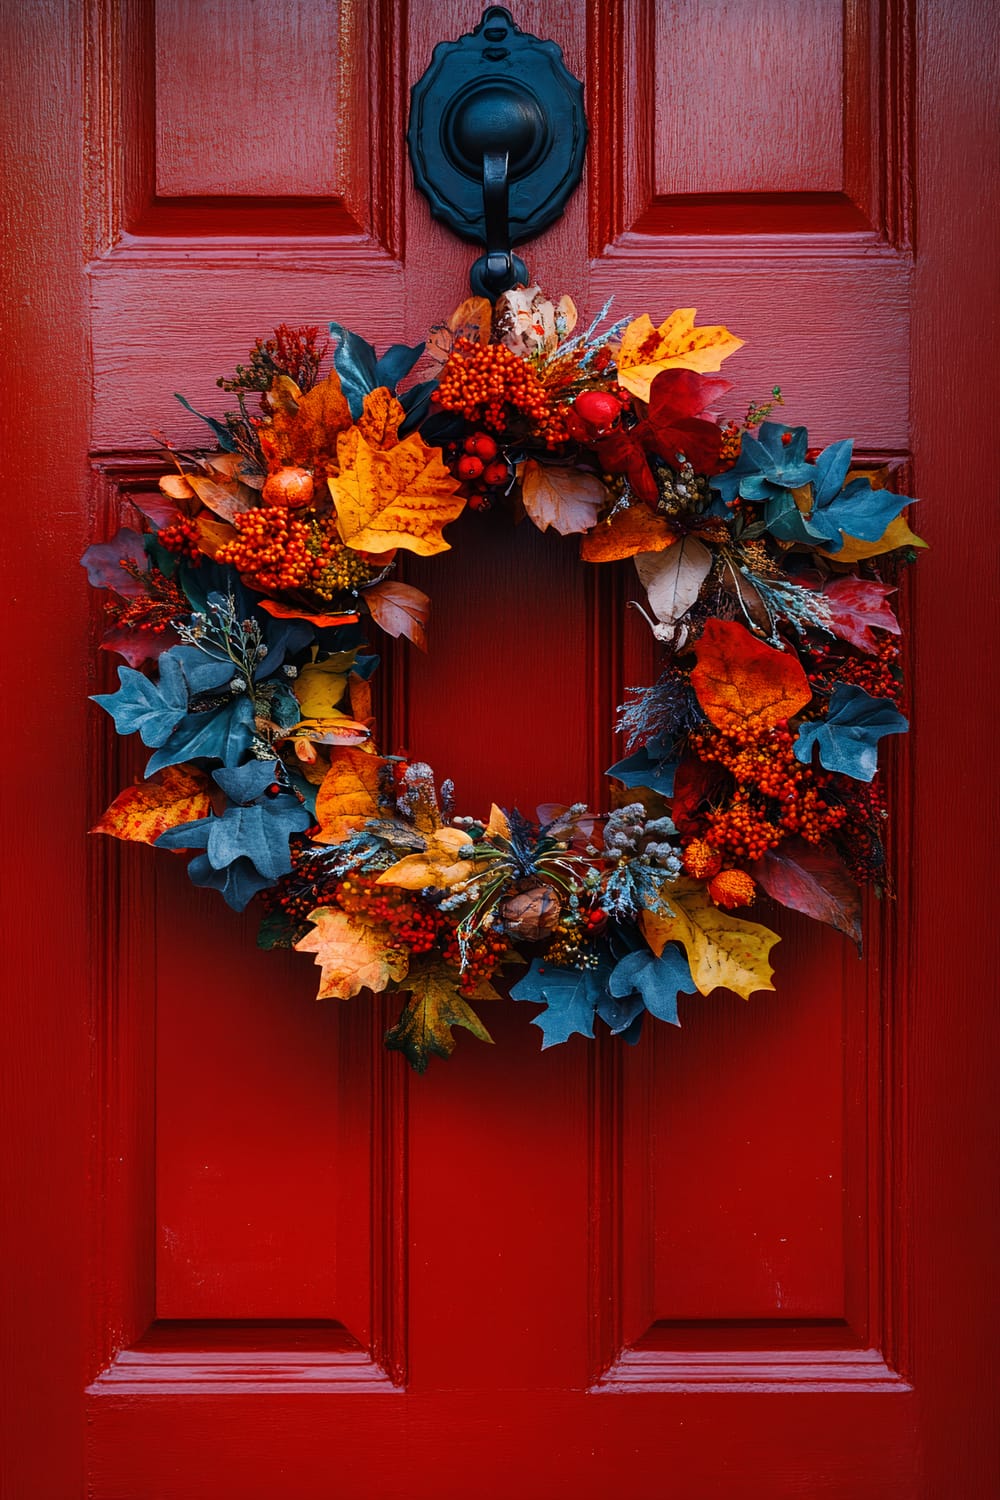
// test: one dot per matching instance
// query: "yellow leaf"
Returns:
(434, 1007)
(567, 499)
(353, 956)
(320, 687)
(896, 534)
(676, 345)
(498, 826)
(724, 952)
(439, 864)
(139, 814)
(397, 498)
(348, 796)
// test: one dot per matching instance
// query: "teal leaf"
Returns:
(861, 512)
(619, 1014)
(657, 980)
(847, 739)
(238, 882)
(651, 767)
(570, 996)
(224, 733)
(396, 363)
(220, 429)
(147, 708)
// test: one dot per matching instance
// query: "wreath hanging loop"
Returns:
(246, 605)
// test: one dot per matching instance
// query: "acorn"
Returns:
(599, 409)
(290, 487)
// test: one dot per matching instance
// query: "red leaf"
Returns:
(812, 881)
(740, 681)
(139, 644)
(292, 612)
(696, 782)
(857, 604)
(400, 609)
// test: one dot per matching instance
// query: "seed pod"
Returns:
(291, 487)
(532, 913)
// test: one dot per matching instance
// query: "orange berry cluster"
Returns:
(181, 538)
(276, 551)
(776, 795)
(413, 924)
(490, 385)
(732, 888)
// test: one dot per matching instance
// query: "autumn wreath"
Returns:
(245, 606)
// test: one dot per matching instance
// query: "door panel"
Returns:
(749, 1258)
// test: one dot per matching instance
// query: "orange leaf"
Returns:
(360, 691)
(439, 865)
(567, 499)
(352, 955)
(348, 796)
(289, 612)
(397, 498)
(472, 319)
(676, 345)
(400, 609)
(630, 529)
(739, 681)
(381, 419)
(212, 535)
(303, 430)
(139, 814)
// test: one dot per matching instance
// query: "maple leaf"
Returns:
(566, 499)
(400, 609)
(856, 605)
(674, 424)
(676, 344)
(352, 955)
(303, 429)
(724, 952)
(628, 530)
(438, 865)
(657, 978)
(570, 997)
(397, 498)
(139, 814)
(434, 1007)
(741, 681)
(812, 881)
(381, 418)
(348, 795)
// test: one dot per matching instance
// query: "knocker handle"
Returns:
(498, 270)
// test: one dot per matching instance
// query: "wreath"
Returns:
(246, 605)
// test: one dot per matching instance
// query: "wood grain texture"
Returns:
(247, 99)
(781, 130)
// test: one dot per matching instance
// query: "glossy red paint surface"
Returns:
(751, 1259)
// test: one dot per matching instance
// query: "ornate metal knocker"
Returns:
(497, 138)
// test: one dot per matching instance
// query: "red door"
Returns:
(248, 1255)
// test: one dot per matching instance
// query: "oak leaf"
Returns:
(400, 609)
(439, 865)
(348, 796)
(354, 956)
(435, 1006)
(724, 952)
(397, 498)
(139, 814)
(676, 344)
(567, 499)
(628, 530)
(740, 681)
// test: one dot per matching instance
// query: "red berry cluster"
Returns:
(878, 675)
(480, 467)
(154, 609)
(483, 956)
(413, 923)
(491, 386)
(181, 538)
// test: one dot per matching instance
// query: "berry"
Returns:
(483, 446)
(469, 467)
(732, 888)
(496, 473)
(599, 409)
(701, 860)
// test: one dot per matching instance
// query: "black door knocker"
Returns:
(497, 138)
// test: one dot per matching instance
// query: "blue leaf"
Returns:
(658, 980)
(245, 784)
(862, 512)
(283, 638)
(396, 363)
(416, 404)
(570, 996)
(619, 1014)
(848, 737)
(224, 734)
(787, 523)
(831, 471)
(151, 709)
(220, 429)
(355, 362)
(238, 882)
(202, 673)
(656, 773)
(254, 828)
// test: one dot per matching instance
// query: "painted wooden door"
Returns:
(250, 1257)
